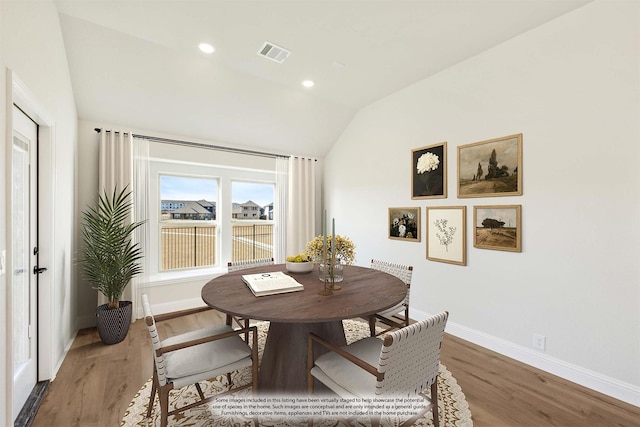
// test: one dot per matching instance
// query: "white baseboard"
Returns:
(601, 383)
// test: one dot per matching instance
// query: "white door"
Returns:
(24, 257)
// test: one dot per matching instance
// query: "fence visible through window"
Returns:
(195, 245)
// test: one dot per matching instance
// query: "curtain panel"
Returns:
(302, 204)
(124, 162)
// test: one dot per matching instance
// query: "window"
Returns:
(197, 220)
(253, 228)
(187, 222)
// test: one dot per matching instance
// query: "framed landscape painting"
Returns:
(447, 234)
(491, 168)
(404, 224)
(498, 227)
(429, 172)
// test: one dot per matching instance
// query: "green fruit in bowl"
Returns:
(298, 258)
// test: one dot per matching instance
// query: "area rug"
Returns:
(453, 407)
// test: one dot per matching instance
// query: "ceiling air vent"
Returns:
(273, 52)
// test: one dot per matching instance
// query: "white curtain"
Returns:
(117, 165)
(280, 204)
(301, 217)
(141, 212)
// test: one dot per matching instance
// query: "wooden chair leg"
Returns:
(164, 405)
(372, 325)
(246, 334)
(434, 400)
(154, 388)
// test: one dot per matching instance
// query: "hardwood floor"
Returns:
(96, 383)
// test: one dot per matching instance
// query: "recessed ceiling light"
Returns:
(206, 48)
(308, 83)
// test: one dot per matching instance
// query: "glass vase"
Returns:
(336, 271)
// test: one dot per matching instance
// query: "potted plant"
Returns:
(110, 260)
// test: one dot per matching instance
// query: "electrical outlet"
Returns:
(539, 342)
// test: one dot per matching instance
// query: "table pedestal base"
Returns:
(283, 368)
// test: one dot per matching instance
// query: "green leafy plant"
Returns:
(110, 258)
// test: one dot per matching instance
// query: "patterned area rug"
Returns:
(453, 407)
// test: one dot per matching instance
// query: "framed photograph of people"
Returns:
(491, 168)
(447, 234)
(498, 227)
(404, 224)
(429, 172)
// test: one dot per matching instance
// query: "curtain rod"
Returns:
(201, 145)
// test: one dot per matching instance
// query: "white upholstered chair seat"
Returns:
(398, 308)
(189, 365)
(346, 379)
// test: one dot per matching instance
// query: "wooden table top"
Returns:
(364, 291)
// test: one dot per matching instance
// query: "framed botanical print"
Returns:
(404, 224)
(498, 227)
(491, 168)
(447, 234)
(429, 172)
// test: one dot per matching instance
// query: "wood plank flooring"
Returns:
(96, 383)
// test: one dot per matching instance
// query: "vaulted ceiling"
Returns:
(137, 63)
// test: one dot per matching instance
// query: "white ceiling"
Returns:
(136, 63)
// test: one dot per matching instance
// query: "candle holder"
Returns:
(326, 290)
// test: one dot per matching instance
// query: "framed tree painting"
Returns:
(429, 172)
(498, 227)
(404, 224)
(447, 234)
(491, 168)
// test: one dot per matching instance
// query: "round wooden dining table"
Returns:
(364, 291)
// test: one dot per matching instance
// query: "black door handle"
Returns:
(37, 270)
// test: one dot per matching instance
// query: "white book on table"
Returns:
(271, 283)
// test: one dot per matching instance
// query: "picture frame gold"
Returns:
(491, 168)
(404, 224)
(432, 183)
(498, 227)
(447, 234)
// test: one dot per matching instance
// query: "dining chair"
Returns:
(402, 365)
(397, 316)
(186, 359)
(241, 265)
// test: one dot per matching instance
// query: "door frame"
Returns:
(18, 93)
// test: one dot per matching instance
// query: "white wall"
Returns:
(571, 87)
(32, 47)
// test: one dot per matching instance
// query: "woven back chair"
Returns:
(397, 316)
(403, 365)
(238, 321)
(186, 359)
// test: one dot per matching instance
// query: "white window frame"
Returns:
(225, 175)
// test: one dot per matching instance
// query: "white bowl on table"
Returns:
(299, 267)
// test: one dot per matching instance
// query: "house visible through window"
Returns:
(252, 220)
(187, 222)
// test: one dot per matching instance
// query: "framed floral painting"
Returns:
(404, 224)
(429, 172)
(491, 168)
(447, 234)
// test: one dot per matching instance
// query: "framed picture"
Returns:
(491, 168)
(429, 172)
(404, 224)
(447, 234)
(498, 227)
